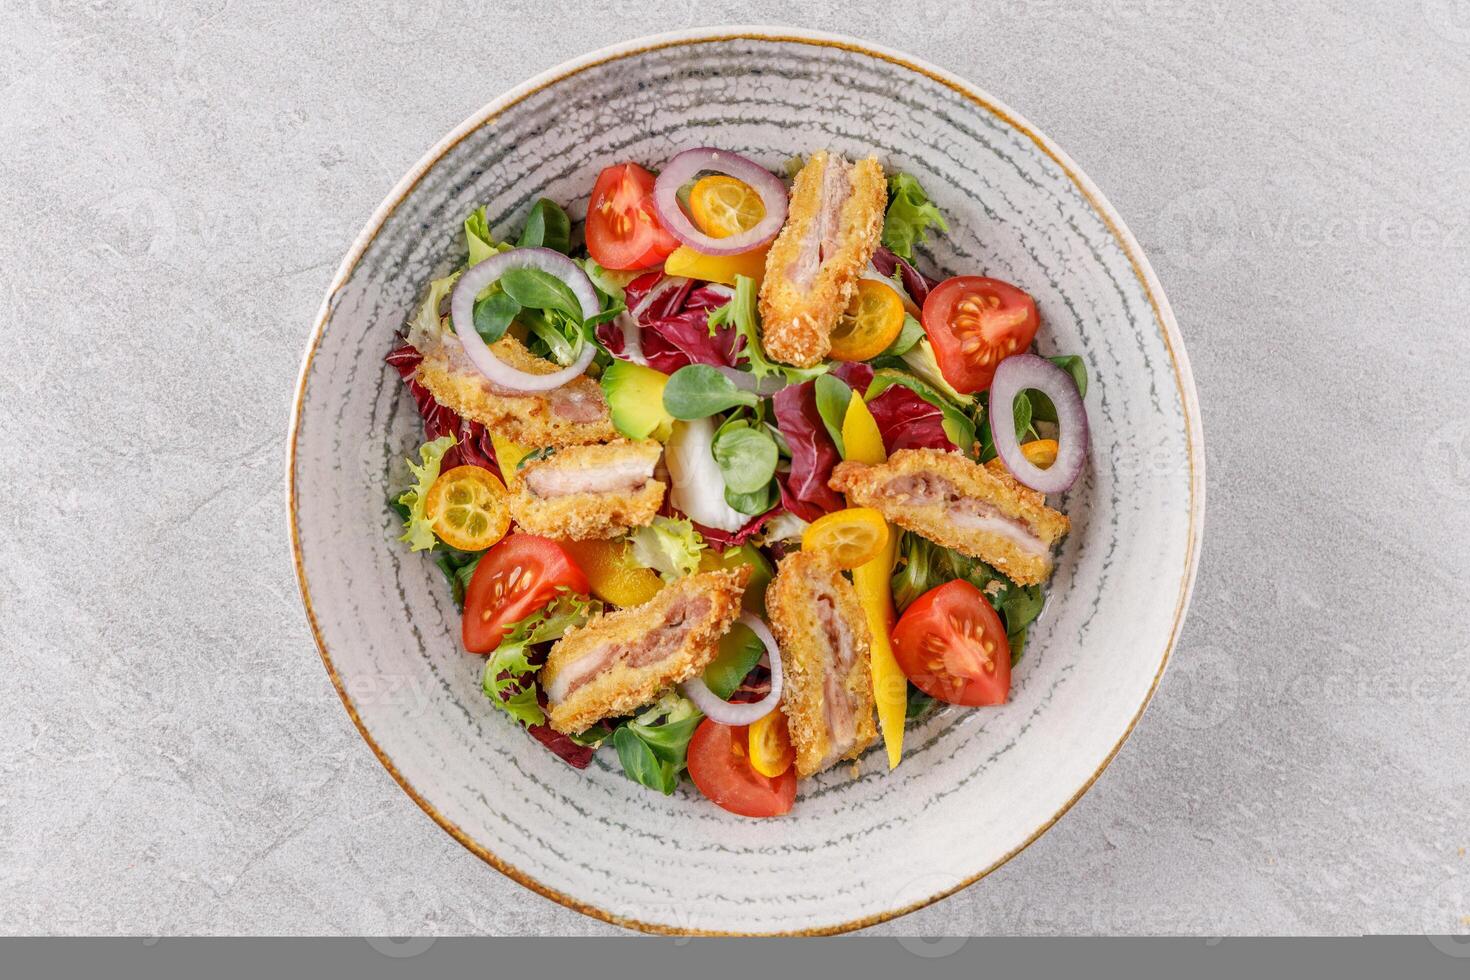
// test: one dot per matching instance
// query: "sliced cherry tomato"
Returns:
(623, 231)
(952, 645)
(722, 206)
(467, 509)
(852, 536)
(871, 322)
(514, 579)
(719, 764)
(771, 752)
(974, 323)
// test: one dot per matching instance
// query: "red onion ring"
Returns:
(689, 164)
(725, 713)
(462, 314)
(1027, 371)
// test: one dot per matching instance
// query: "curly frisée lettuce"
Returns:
(669, 546)
(418, 532)
(509, 678)
(427, 324)
(910, 215)
(478, 240)
(740, 313)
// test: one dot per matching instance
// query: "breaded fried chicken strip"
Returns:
(573, 414)
(980, 511)
(581, 492)
(812, 269)
(622, 660)
(823, 635)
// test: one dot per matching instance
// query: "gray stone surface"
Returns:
(178, 182)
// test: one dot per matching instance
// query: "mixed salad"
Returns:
(722, 480)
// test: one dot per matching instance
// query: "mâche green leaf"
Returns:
(698, 391)
(493, 315)
(833, 397)
(746, 456)
(541, 290)
(547, 226)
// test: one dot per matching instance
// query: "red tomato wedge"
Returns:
(720, 766)
(952, 645)
(974, 323)
(514, 579)
(623, 231)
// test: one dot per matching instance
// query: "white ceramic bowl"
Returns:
(975, 787)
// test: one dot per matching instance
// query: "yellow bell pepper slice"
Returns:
(861, 440)
(1040, 452)
(873, 581)
(611, 574)
(685, 261)
(507, 455)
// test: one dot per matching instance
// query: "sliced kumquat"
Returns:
(467, 509)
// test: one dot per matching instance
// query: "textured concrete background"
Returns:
(178, 182)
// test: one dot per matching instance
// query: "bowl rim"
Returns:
(1173, 341)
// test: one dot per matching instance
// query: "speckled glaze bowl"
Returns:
(975, 787)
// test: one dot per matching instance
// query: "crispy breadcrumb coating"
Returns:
(980, 511)
(824, 640)
(573, 414)
(581, 492)
(832, 228)
(622, 660)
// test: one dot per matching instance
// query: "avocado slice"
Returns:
(635, 396)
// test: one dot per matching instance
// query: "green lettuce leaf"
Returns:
(611, 283)
(416, 530)
(426, 325)
(740, 313)
(669, 546)
(477, 237)
(509, 679)
(910, 215)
